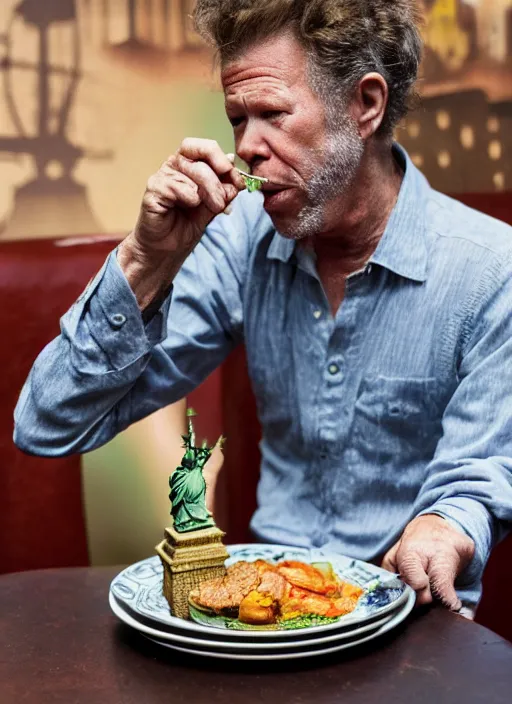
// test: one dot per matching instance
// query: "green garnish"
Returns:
(236, 625)
(307, 621)
(252, 183)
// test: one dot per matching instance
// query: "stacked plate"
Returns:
(136, 598)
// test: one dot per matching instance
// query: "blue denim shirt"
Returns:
(397, 406)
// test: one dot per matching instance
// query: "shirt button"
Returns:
(317, 314)
(368, 270)
(333, 369)
(118, 320)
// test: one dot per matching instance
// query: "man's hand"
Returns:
(190, 189)
(182, 198)
(429, 556)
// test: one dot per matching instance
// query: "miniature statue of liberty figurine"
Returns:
(188, 487)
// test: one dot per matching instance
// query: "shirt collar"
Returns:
(402, 248)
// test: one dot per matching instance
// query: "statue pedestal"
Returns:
(188, 559)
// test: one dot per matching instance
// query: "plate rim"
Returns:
(142, 628)
(395, 621)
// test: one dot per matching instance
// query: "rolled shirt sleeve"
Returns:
(469, 481)
(107, 369)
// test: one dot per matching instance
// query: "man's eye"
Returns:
(235, 121)
(271, 114)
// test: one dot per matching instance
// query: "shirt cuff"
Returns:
(472, 518)
(109, 309)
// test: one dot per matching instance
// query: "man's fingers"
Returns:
(206, 150)
(430, 556)
(413, 569)
(170, 189)
(210, 188)
(230, 192)
(442, 573)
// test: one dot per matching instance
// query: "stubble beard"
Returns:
(341, 159)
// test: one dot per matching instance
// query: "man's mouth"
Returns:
(278, 198)
(273, 187)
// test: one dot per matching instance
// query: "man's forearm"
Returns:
(80, 392)
(149, 273)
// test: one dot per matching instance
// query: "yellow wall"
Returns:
(132, 103)
(125, 488)
(128, 92)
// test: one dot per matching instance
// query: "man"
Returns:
(375, 311)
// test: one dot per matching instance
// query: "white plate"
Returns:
(138, 589)
(264, 646)
(308, 652)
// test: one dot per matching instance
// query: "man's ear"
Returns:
(369, 104)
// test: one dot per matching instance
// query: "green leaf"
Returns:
(252, 184)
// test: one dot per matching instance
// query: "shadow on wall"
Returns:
(68, 118)
(97, 93)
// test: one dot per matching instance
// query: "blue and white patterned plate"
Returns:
(304, 649)
(227, 645)
(138, 589)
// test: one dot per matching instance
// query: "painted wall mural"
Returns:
(95, 93)
(461, 133)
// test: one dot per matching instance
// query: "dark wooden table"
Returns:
(60, 644)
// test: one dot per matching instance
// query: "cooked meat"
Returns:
(306, 576)
(345, 604)
(242, 578)
(260, 593)
(226, 593)
(350, 591)
(274, 584)
(263, 567)
(212, 594)
(304, 602)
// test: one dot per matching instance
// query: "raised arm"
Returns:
(131, 345)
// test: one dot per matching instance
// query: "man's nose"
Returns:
(251, 144)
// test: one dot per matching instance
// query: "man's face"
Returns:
(281, 131)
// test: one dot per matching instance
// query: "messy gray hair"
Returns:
(344, 40)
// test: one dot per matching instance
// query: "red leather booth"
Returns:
(41, 513)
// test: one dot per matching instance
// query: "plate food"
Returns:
(286, 595)
(138, 590)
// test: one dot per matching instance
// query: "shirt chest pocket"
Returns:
(398, 419)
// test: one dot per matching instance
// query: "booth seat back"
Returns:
(43, 520)
(41, 510)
